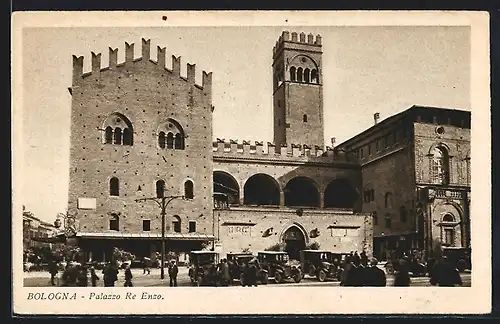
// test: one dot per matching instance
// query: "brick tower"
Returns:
(298, 90)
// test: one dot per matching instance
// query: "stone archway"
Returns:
(294, 240)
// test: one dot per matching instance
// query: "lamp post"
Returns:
(163, 203)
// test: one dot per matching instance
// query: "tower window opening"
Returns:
(306, 76)
(188, 189)
(179, 142)
(109, 135)
(299, 74)
(292, 73)
(170, 141)
(160, 188)
(118, 135)
(304, 118)
(161, 140)
(114, 187)
(314, 76)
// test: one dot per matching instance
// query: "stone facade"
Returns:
(415, 170)
(256, 229)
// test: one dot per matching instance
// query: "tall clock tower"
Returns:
(298, 90)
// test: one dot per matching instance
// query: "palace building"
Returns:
(140, 131)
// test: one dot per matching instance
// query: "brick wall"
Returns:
(147, 94)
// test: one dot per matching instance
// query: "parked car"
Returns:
(237, 263)
(279, 266)
(203, 269)
(320, 264)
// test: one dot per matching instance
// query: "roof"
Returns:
(386, 122)
(273, 252)
(204, 252)
(168, 236)
(317, 251)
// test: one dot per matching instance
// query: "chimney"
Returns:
(376, 117)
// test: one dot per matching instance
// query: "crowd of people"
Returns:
(358, 272)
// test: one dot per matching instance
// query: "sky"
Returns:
(365, 70)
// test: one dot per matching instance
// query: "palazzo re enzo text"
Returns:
(139, 129)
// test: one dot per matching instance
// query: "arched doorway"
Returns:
(295, 241)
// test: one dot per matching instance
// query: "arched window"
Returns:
(402, 214)
(188, 189)
(127, 136)
(299, 74)
(339, 193)
(304, 118)
(314, 76)
(114, 187)
(306, 75)
(160, 188)
(170, 141)
(448, 218)
(108, 135)
(261, 189)
(179, 142)
(439, 166)
(301, 191)
(176, 224)
(117, 129)
(292, 73)
(118, 135)
(388, 200)
(114, 223)
(161, 140)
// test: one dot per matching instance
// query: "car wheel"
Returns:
(278, 277)
(265, 278)
(321, 275)
(297, 276)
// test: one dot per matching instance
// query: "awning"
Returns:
(147, 236)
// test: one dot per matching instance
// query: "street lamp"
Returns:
(163, 202)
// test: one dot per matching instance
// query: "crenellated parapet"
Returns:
(256, 149)
(299, 38)
(113, 64)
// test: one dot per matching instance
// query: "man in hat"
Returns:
(173, 270)
(373, 275)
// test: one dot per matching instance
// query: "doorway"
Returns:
(294, 242)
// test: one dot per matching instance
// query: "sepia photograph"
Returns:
(189, 158)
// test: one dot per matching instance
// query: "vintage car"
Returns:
(320, 264)
(237, 263)
(203, 269)
(279, 266)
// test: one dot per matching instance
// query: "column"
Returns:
(282, 198)
(321, 199)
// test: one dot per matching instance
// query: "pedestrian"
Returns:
(224, 273)
(402, 275)
(373, 276)
(146, 266)
(173, 270)
(364, 259)
(93, 276)
(82, 276)
(128, 276)
(53, 272)
(444, 274)
(252, 272)
(110, 274)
